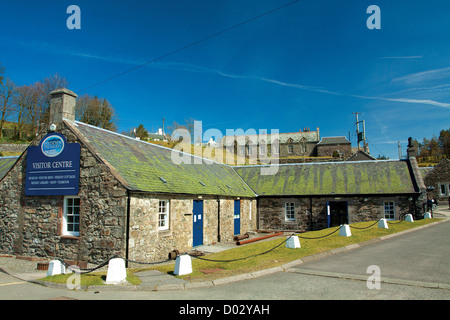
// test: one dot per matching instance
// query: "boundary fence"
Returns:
(88, 270)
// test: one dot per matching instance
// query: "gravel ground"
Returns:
(13, 265)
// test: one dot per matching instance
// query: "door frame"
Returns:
(237, 217)
(337, 205)
(197, 223)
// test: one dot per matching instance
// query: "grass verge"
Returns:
(274, 258)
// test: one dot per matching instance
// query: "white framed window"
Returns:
(302, 148)
(444, 188)
(389, 210)
(262, 149)
(289, 211)
(163, 215)
(290, 148)
(71, 216)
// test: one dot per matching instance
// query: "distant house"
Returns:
(338, 147)
(437, 180)
(318, 195)
(292, 144)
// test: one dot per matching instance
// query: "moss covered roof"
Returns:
(148, 167)
(333, 178)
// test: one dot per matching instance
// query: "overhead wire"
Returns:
(192, 44)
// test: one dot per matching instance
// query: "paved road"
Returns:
(422, 256)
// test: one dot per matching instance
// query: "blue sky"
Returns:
(311, 64)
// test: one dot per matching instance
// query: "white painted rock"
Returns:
(427, 215)
(409, 218)
(382, 223)
(345, 230)
(117, 272)
(55, 267)
(293, 242)
(183, 265)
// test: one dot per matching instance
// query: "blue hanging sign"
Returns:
(53, 167)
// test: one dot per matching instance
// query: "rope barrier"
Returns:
(239, 259)
(365, 227)
(321, 237)
(83, 271)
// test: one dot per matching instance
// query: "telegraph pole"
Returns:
(360, 136)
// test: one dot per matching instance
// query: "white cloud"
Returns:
(425, 76)
(403, 57)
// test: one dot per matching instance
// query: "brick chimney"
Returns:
(62, 105)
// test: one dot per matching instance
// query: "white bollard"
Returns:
(55, 267)
(409, 218)
(293, 242)
(117, 272)
(345, 230)
(427, 215)
(382, 223)
(183, 265)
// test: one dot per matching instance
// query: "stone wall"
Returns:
(13, 147)
(272, 211)
(31, 225)
(147, 243)
(345, 150)
(439, 175)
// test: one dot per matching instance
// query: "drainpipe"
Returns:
(311, 212)
(127, 226)
(218, 219)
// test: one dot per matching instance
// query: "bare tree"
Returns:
(22, 105)
(7, 96)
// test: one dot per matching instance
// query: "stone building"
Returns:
(314, 196)
(291, 144)
(83, 193)
(336, 147)
(437, 180)
(115, 195)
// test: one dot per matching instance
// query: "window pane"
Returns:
(72, 216)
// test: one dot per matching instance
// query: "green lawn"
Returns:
(274, 258)
(282, 255)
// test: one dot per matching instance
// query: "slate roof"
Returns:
(333, 178)
(333, 140)
(148, 167)
(5, 164)
(306, 136)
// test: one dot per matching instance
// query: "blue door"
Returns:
(198, 223)
(237, 217)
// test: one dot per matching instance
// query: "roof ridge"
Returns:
(313, 163)
(148, 143)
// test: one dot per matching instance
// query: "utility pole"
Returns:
(360, 136)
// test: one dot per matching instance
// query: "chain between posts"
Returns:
(82, 271)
